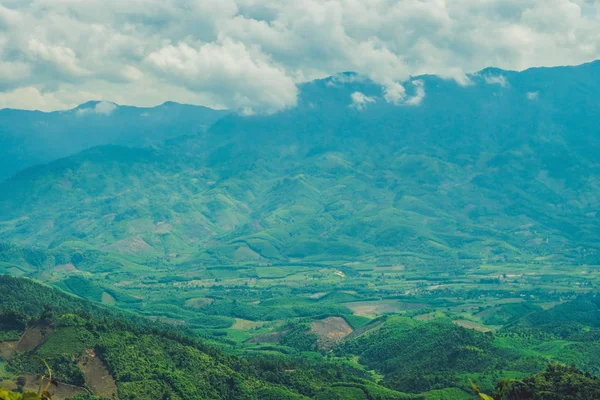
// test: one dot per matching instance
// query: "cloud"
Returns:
(417, 99)
(360, 100)
(13, 73)
(496, 80)
(342, 79)
(104, 108)
(244, 78)
(533, 95)
(251, 54)
(394, 92)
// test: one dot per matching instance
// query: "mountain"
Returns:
(28, 138)
(502, 169)
(346, 248)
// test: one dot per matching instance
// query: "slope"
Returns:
(478, 173)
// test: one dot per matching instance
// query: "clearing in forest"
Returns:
(472, 325)
(244, 324)
(271, 338)
(330, 331)
(199, 302)
(33, 338)
(97, 376)
(59, 391)
(8, 348)
(379, 307)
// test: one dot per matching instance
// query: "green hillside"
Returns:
(95, 351)
(393, 252)
(135, 358)
(511, 180)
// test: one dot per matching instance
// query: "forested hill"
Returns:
(90, 349)
(501, 169)
(93, 352)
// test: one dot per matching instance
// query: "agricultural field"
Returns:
(356, 313)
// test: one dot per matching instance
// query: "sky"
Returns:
(251, 55)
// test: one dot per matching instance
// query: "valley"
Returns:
(326, 310)
(326, 252)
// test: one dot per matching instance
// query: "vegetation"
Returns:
(321, 252)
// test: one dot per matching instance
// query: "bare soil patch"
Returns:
(271, 338)
(8, 348)
(317, 296)
(65, 268)
(199, 302)
(34, 338)
(244, 324)
(108, 299)
(97, 376)
(135, 245)
(472, 325)
(59, 391)
(379, 307)
(330, 331)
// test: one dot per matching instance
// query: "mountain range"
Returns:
(503, 167)
(438, 247)
(28, 138)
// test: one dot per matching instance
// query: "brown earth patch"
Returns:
(97, 376)
(108, 299)
(9, 385)
(59, 391)
(317, 296)
(330, 331)
(8, 348)
(244, 324)
(65, 268)
(271, 338)
(379, 307)
(34, 338)
(472, 325)
(134, 245)
(199, 302)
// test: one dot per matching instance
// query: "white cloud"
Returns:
(417, 99)
(496, 80)
(342, 79)
(360, 100)
(251, 54)
(13, 72)
(245, 78)
(533, 95)
(105, 108)
(394, 92)
(101, 108)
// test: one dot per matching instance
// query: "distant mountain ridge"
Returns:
(501, 168)
(28, 138)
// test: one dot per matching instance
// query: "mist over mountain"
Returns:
(503, 167)
(28, 138)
